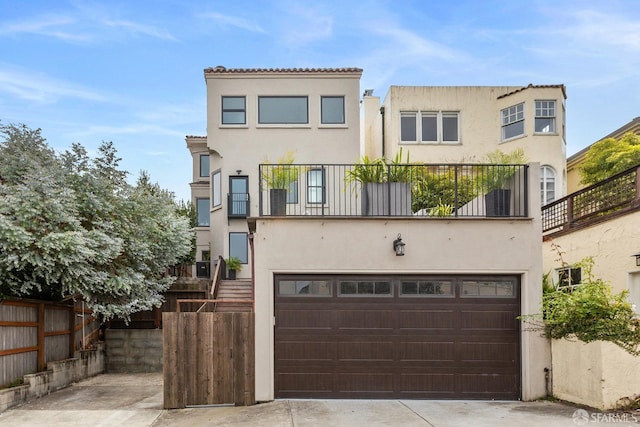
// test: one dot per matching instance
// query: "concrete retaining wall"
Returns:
(134, 350)
(58, 375)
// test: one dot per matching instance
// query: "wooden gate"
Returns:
(208, 359)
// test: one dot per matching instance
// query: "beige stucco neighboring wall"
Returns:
(363, 245)
(597, 374)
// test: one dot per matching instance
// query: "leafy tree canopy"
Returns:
(609, 156)
(71, 225)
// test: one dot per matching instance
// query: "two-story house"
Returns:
(414, 298)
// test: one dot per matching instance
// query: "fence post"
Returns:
(41, 361)
(72, 329)
(569, 212)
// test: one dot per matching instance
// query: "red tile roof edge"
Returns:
(532, 86)
(223, 70)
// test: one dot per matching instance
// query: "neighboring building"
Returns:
(200, 197)
(338, 312)
(574, 161)
(600, 221)
(461, 124)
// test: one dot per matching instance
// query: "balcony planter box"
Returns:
(386, 198)
(278, 201)
(498, 202)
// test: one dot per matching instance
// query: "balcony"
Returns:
(617, 195)
(238, 205)
(394, 190)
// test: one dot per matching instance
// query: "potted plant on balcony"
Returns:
(233, 265)
(278, 179)
(496, 181)
(385, 188)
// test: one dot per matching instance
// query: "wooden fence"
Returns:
(209, 359)
(33, 333)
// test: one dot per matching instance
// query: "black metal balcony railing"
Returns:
(614, 195)
(424, 190)
(238, 205)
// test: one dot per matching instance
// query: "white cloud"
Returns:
(233, 21)
(50, 26)
(30, 86)
(146, 30)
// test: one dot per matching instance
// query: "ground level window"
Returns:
(488, 288)
(238, 246)
(569, 277)
(365, 288)
(426, 288)
(304, 288)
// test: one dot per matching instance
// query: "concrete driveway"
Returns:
(135, 400)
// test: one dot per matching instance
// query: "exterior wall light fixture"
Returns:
(398, 246)
(637, 259)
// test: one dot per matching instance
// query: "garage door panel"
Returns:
(431, 319)
(488, 320)
(487, 384)
(365, 382)
(366, 319)
(366, 350)
(306, 382)
(491, 352)
(304, 319)
(426, 351)
(306, 350)
(427, 383)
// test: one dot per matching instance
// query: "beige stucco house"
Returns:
(400, 302)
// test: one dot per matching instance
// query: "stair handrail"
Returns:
(215, 280)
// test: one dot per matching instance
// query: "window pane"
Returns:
(513, 130)
(282, 110)
(382, 288)
(545, 125)
(292, 193)
(239, 194)
(365, 288)
(429, 128)
(408, 128)
(409, 288)
(238, 246)
(495, 288)
(450, 127)
(332, 110)
(216, 189)
(315, 186)
(348, 288)
(204, 165)
(202, 208)
(233, 110)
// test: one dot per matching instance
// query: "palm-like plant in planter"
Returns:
(279, 178)
(385, 188)
(496, 179)
(233, 265)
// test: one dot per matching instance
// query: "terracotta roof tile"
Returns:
(196, 136)
(223, 70)
(532, 86)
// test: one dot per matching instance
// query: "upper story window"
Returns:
(238, 196)
(332, 110)
(283, 110)
(204, 165)
(431, 128)
(202, 210)
(216, 188)
(512, 121)
(545, 120)
(234, 110)
(547, 185)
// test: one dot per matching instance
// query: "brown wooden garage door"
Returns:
(397, 337)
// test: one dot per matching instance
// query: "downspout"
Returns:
(253, 267)
(382, 113)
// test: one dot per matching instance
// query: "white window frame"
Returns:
(216, 188)
(571, 273)
(547, 176)
(418, 116)
(546, 109)
(510, 116)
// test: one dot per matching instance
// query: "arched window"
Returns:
(547, 185)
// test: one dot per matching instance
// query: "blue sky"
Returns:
(131, 71)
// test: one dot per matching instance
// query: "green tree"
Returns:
(71, 225)
(610, 156)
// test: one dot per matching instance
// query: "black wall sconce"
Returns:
(398, 246)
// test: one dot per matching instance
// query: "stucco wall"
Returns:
(596, 374)
(362, 245)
